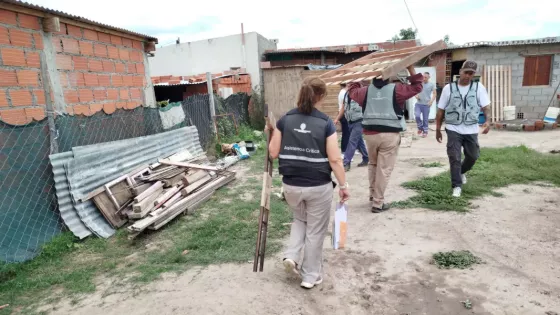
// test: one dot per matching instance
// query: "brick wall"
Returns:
(438, 61)
(98, 71)
(92, 70)
(22, 98)
(532, 101)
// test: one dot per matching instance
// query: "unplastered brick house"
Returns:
(91, 67)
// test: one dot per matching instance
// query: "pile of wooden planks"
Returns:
(153, 195)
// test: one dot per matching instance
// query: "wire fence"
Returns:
(29, 207)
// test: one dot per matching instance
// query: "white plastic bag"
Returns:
(339, 230)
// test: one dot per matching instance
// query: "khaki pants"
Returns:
(382, 149)
(311, 207)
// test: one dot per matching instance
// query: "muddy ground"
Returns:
(386, 268)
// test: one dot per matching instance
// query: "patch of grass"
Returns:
(455, 259)
(432, 164)
(222, 230)
(496, 168)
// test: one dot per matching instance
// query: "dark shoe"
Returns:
(363, 163)
(347, 167)
(384, 207)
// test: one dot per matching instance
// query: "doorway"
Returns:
(455, 67)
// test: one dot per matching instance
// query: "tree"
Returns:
(405, 34)
(447, 41)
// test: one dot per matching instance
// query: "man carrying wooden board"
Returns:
(460, 105)
(383, 102)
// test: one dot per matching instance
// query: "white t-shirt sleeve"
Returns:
(341, 98)
(444, 98)
(483, 98)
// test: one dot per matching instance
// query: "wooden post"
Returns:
(49, 108)
(211, 97)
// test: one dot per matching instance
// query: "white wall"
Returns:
(212, 55)
(412, 101)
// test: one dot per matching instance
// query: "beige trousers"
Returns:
(311, 208)
(382, 149)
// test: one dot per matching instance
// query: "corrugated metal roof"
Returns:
(93, 166)
(534, 41)
(399, 44)
(77, 18)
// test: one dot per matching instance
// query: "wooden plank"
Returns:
(173, 181)
(108, 210)
(189, 209)
(140, 189)
(194, 177)
(172, 200)
(148, 192)
(502, 90)
(509, 87)
(395, 68)
(189, 165)
(147, 202)
(194, 186)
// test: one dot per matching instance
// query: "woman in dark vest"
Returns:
(306, 144)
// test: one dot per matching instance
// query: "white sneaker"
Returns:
(290, 267)
(308, 285)
(464, 178)
(457, 192)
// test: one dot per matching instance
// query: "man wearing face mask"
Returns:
(460, 104)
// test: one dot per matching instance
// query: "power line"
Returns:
(410, 14)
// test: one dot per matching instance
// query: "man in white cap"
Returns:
(460, 105)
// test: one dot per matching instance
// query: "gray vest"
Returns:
(462, 109)
(352, 110)
(304, 144)
(381, 113)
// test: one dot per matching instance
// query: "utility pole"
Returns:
(211, 98)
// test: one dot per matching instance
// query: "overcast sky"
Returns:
(321, 23)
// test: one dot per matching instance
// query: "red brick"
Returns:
(137, 45)
(3, 99)
(8, 78)
(63, 77)
(100, 50)
(80, 63)
(117, 80)
(27, 78)
(70, 45)
(105, 38)
(109, 108)
(529, 127)
(104, 80)
(21, 98)
(81, 110)
(120, 104)
(86, 48)
(123, 94)
(15, 116)
(64, 62)
(113, 94)
(100, 95)
(135, 94)
(124, 54)
(95, 65)
(37, 113)
(20, 38)
(4, 37)
(91, 79)
(127, 42)
(39, 97)
(108, 66)
(131, 68)
(132, 105)
(116, 40)
(94, 108)
(85, 96)
(71, 97)
(63, 29)
(13, 57)
(38, 39)
(29, 21)
(57, 44)
(33, 59)
(119, 67)
(74, 31)
(140, 68)
(76, 79)
(8, 17)
(128, 80)
(91, 35)
(136, 56)
(138, 81)
(113, 52)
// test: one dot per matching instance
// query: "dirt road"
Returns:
(386, 268)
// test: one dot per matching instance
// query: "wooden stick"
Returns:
(189, 165)
(396, 67)
(193, 178)
(192, 187)
(148, 192)
(147, 202)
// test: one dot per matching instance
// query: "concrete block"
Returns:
(518, 60)
(532, 115)
(517, 73)
(479, 50)
(506, 48)
(556, 71)
(542, 98)
(546, 102)
(547, 91)
(535, 91)
(528, 98)
(521, 92)
(505, 61)
(532, 49)
(516, 98)
(498, 55)
(485, 56)
(492, 62)
(521, 103)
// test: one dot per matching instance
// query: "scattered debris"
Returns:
(555, 151)
(467, 304)
(536, 303)
(4, 306)
(551, 313)
(455, 259)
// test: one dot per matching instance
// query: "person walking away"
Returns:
(353, 113)
(422, 108)
(340, 118)
(383, 120)
(306, 145)
(460, 103)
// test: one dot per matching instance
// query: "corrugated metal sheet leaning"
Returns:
(90, 167)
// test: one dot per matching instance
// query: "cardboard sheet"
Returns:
(340, 225)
